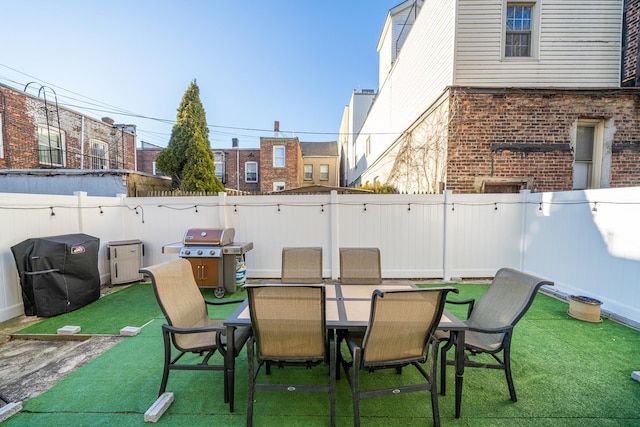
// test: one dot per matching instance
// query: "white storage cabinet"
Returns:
(125, 260)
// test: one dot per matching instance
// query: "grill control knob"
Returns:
(187, 252)
(212, 252)
(199, 251)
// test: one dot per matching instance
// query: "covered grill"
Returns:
(58, 274)
(213, 255)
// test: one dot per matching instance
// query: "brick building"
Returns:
(146, 156)
(631, 44)
(533, 103)
(280, 164)
(238, 169)
(38, 134)
(542, 139)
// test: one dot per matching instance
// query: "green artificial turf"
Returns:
(566, 372)
(134, 305)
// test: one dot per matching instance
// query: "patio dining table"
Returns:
(348, 307)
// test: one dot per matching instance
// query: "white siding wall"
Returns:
(358, 109)
(578, 45)
(385, 58)
(423, 69)
(554, 235)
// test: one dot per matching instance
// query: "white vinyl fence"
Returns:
(587, 242)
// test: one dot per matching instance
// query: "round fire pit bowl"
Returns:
(585, 308)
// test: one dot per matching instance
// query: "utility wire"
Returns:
(98, 106)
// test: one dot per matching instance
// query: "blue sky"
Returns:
(294, 61)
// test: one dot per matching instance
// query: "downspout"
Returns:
(135, 151)
(82, 142)
(124, 164)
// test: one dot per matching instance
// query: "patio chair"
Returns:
(302, 265)
(491, 321)
(189, 329)
(401, 329)
(360, 266)
(288, 323)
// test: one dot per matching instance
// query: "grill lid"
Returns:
(209, 236)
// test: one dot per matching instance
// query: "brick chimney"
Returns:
(276, 126)
(108, 120)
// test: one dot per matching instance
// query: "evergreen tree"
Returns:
(188, 158)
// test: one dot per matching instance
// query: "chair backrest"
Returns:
(401, 324)
(508, 298)
(288, 321)
(178, 295)
(301, 265)
(360, 265)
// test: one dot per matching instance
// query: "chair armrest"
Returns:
(222, 302)
(177, 330)
(501, 330)
(469, 301)
(351, 344)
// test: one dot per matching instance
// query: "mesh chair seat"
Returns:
(301, 265)
(360, 266)
(189, 329)
(289, 328)
(400, 332)
(491, 321)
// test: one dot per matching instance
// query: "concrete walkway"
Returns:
(29, 367)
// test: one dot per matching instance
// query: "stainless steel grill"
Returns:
(206, 243)
(213, 255)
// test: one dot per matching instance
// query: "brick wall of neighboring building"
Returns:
(631, 67)
(291, 174)
(21, 114)
(527, 133)
(147, 154)
(237, 159)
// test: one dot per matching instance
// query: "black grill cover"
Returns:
(58, 274)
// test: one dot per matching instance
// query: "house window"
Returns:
(99, 155)
(324, 172)
(219, 166)
(251, 172)
(278, 186)
(588, 155)
(308, 172)
(518, 36)
(220, 172)
(279, 160)
(50, 146)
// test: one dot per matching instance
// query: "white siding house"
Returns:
(574, 44)
(466, 43)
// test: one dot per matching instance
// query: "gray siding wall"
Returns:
(576, 44)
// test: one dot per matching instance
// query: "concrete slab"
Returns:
(10, 409)
(129, 331)
(32, 366)
(68, 330)
(158, 408)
